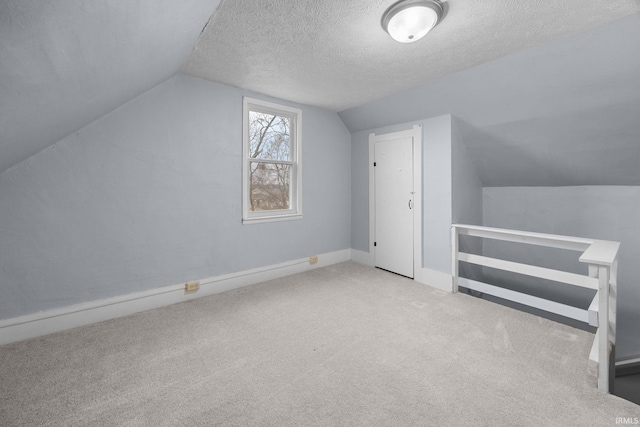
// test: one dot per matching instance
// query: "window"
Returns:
(271, 172)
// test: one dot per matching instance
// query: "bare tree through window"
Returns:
(270, 165)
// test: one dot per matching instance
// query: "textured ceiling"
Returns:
(334, 53)
(65, 63)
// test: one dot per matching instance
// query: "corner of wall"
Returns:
(467, 187)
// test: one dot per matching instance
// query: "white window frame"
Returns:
(295, 187)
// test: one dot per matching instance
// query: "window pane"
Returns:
(269, 186)
(269, 136)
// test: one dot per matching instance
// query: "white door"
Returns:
(393, 180)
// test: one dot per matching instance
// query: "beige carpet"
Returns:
(345, 345)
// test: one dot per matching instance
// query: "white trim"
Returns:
(272, 218)
(604, 349)
(362, 257)
(50, 321)
(295, 212)
(455, 248)
(425, 276)
(435, 279)
(372, 198)
(416, 134)
(417, 198)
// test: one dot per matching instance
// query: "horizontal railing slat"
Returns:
(540, 239)
(529, 300)
(531, 270)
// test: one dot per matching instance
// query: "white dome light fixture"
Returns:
(408, 21)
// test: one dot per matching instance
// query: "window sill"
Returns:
(273, 218)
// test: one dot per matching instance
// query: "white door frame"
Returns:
(416, 134)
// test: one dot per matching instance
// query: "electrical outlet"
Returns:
(192, 286)
(313, 259)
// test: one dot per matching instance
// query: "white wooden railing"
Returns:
(602, 259)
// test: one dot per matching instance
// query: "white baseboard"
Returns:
(362, 257)
(433, 278)
(50, 321)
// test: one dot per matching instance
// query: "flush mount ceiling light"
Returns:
(408, 21)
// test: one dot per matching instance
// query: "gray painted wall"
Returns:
(150, 195)
(436, 188)
(466, 186)
(66, 63)
(436, 173)
(600, 212)
(360, 191)
(466, 198)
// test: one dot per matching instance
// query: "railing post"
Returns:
(604, 362)
(454, 257)
(613, 300)
(594, 311)
(613, 310)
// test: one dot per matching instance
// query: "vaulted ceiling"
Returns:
(65, 63)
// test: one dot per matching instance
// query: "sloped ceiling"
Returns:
(565, 113)
(65, 63)
(335, 54)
